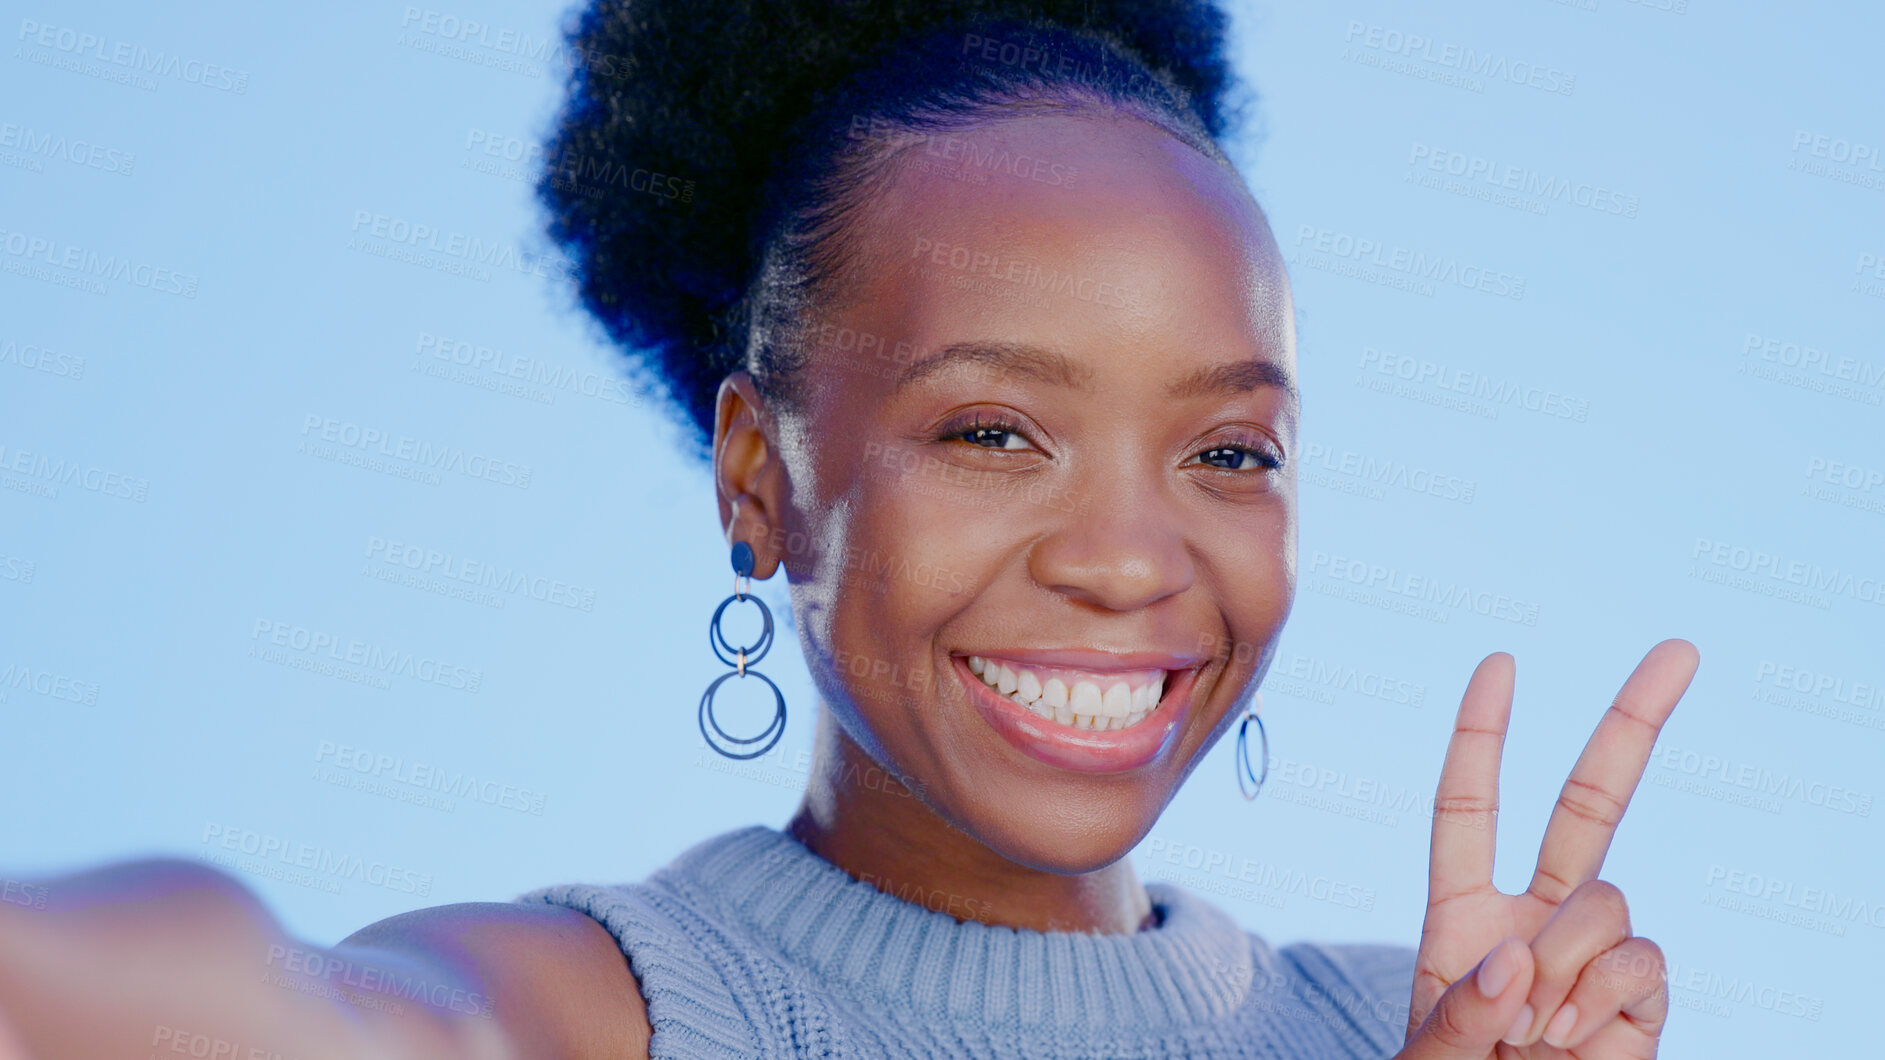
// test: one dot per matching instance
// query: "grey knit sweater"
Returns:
(750, 945)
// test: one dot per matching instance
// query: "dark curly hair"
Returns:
(709, 151)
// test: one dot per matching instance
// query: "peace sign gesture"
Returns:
(1555, 971)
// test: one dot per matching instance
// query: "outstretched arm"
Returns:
(152, 957)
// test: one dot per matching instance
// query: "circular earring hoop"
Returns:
(1243, 756)
(741, 659)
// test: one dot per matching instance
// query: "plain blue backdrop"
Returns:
(1591, 309)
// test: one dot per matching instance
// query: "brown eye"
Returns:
(1241, 457)
(987, 432)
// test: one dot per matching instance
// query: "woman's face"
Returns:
(1041, 429)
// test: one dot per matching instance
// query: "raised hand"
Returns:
(1555, 971)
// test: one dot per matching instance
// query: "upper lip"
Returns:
(1094, 659)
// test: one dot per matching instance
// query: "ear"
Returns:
(748, 474)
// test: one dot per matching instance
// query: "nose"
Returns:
(1122, 548)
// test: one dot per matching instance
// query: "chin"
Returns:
(1083, 835)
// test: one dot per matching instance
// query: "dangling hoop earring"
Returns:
(1243, 754)
(741, 661)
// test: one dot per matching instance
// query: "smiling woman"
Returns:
(971, 289)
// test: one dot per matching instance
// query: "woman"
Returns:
(992, 351)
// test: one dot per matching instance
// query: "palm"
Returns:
(1466, 914)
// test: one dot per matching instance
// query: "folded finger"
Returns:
(1626, 986)
(1590, 922)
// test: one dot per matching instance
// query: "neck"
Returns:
(859, 817)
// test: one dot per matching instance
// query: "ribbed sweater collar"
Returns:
(1196, 965)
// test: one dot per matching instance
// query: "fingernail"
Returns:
(1496, 972)
(1558, 1031)
(1520, 1026)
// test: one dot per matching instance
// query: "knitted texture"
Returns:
(750, 945)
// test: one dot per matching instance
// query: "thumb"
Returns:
(1478, 1009)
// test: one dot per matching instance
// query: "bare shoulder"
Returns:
(559, 983)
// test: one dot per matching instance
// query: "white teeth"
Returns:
(1027, 686)
(1082, 706)
(1054, 692)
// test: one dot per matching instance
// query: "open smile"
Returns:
(1081, 710)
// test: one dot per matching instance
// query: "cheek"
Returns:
(1255, 561)
(901, 575)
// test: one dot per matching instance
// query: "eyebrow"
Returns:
(1048, 366)
(1235, 377)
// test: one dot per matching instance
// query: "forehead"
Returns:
(1085, 232)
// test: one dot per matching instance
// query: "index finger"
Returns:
(1600, 785)
(1466, 802)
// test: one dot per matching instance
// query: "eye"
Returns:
(1242, 454)
(987, 431)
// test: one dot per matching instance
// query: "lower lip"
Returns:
(1081, 750)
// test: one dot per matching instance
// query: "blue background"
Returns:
(1699, 200)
